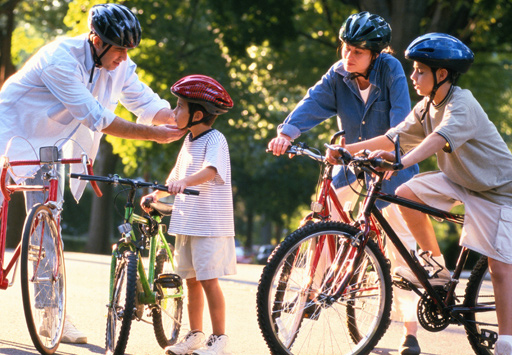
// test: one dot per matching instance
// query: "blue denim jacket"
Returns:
(335, 94)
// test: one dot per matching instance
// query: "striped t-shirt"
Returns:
(211, 213)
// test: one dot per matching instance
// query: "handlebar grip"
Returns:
(94, 184)
(384, 164)
(191, 192)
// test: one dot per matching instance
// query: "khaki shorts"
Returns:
(204, 258)
(487, 226)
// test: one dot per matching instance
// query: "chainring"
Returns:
(430, 316)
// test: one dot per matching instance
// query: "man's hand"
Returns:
(279, 144)
(167, 133)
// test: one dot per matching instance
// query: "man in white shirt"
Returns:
(68, 91)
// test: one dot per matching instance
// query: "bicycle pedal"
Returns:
(401, 283)
(169, 280)
(488, 338)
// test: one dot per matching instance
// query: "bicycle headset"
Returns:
(116, 26)
(205, 91)
(440, 50)
(367, 31)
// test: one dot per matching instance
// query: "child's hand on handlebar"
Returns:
(146, 200)
(176, 187)
(279, 145)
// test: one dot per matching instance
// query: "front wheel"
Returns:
(43, 279)
(300, 306)
(169, 309)
(121, 308)
(482, 323)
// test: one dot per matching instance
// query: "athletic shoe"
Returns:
(502, 348)
(47, 325)
(410, 346)
(190, 342)
(216, 345)
(71, 334)
(438, 274)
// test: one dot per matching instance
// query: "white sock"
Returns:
(440, 260)
(507, 338)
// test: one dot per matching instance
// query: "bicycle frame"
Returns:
(51, 200)
(371, 211)
(129, 240)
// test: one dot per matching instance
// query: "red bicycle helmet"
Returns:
(203, 90)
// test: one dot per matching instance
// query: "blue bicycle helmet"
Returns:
(115, 24)
(440, 50)
(367, 31)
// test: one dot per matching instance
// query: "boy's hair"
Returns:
(208, 118)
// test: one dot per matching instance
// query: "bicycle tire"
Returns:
(121, 309)
(292, 322)
(169, 309)
(479, 291)
(43, 279)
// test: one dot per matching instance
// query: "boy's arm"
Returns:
(202, 176)
(376, 143)
(432, 144)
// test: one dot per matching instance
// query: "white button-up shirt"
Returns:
(50, 102)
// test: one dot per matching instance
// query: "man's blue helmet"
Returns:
(440, 50)
(115, 24)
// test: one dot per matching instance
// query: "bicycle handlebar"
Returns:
(363, 159)
(115, 179)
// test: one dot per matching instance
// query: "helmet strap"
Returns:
(433, 92)
(96, 58)
(368, 72)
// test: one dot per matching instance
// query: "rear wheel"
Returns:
(483, 325)
(169, 309)
(298, 300)
(121, 308)
(43, 279)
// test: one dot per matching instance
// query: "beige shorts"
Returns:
(487, 226)
(204, 258)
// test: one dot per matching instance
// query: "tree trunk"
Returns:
(100, 224)
(7, 18)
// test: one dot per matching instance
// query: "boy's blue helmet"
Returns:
(440, 50)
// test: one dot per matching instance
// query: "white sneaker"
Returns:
(71, 334)
(47, 325)
(438, 274)
(216, 345)
(502, 348)
(189, 343)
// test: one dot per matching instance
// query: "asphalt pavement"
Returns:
(87, 277)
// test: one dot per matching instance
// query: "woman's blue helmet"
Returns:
(440, 50)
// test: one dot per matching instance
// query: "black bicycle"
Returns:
(327, 287)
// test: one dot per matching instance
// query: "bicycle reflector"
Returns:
(48, 155)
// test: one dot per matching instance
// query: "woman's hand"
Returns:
(279, 145)
(332, 156)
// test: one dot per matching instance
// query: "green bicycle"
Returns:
(135, 287)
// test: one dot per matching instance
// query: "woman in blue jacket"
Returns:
(367, 91)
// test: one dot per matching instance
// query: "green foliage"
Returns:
(267, 54)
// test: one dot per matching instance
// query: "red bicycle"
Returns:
(42, 270)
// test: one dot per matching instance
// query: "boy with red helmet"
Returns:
(205, 246)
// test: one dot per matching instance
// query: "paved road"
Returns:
(87, 296)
